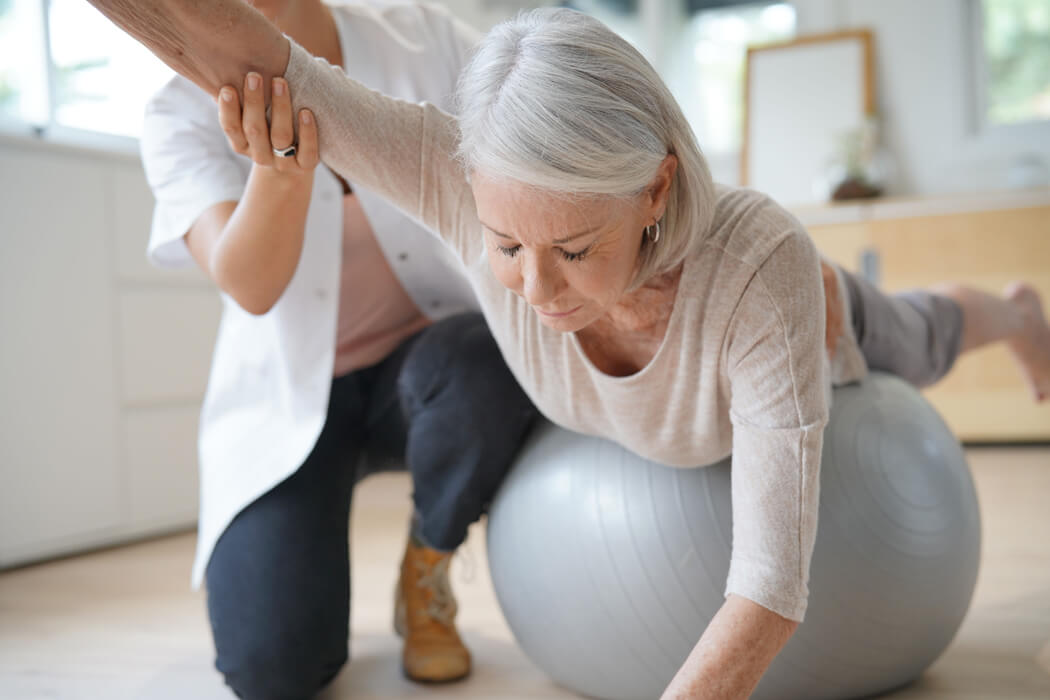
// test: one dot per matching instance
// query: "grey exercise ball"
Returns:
(608, 567)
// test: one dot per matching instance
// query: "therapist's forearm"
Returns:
(259, 250)
(211, 42)
(735, 650)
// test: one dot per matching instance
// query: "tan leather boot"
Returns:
(424, 615)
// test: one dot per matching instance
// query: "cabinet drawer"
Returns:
(160, 457)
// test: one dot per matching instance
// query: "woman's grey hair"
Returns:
(556, 100)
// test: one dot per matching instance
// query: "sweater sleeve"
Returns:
(402, 151)
(778, 378)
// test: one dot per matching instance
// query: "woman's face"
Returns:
(571, 260)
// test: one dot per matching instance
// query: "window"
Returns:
(621, 16)
(706, 67)
(62, 64)
(699, 47)
(23, 72)
(1014, 61)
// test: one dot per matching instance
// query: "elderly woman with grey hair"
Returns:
(631, 296)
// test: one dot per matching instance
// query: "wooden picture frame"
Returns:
(800, 96)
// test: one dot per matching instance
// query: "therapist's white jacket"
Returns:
(267, 395)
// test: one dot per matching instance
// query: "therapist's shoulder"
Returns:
(439, 22)
(418, 35)
(181, 139)
(180, 99)
(180, 118)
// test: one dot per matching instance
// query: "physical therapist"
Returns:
(349, 343)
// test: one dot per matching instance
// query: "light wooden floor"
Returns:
(123, 624)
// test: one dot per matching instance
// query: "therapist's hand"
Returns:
(251, 247)
(249, 134)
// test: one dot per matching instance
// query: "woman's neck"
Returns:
(627, 338)
(646, 308)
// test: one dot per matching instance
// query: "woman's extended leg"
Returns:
(919, 334)
(1017, 317)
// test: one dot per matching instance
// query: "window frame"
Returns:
(50, 130)
(653, 18)
(1016, 133)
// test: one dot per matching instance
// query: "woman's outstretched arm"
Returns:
(211, 42)
(401, 151)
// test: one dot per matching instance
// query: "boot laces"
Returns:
(470, 565)
(442, 604)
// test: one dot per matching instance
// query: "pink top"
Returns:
(375, 312)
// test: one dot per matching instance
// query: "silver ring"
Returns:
(285, 152)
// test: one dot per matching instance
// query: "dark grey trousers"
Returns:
(445, 406)
(915, 335)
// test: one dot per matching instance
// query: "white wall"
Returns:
(925, 58)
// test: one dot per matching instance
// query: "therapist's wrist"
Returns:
(281, 183)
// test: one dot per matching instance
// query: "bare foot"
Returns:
(1031, 347)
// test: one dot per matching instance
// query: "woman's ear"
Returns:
(660, 188)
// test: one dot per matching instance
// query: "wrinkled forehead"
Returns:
(528, 212)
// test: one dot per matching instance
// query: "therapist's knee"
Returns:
(271, 644)
(279, 669)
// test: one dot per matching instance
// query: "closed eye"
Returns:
(571, 256)
(577, 256)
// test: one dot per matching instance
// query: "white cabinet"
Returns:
(103, 359)
(159, 451)
(164, 348)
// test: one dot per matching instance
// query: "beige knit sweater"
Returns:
(742, 368)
